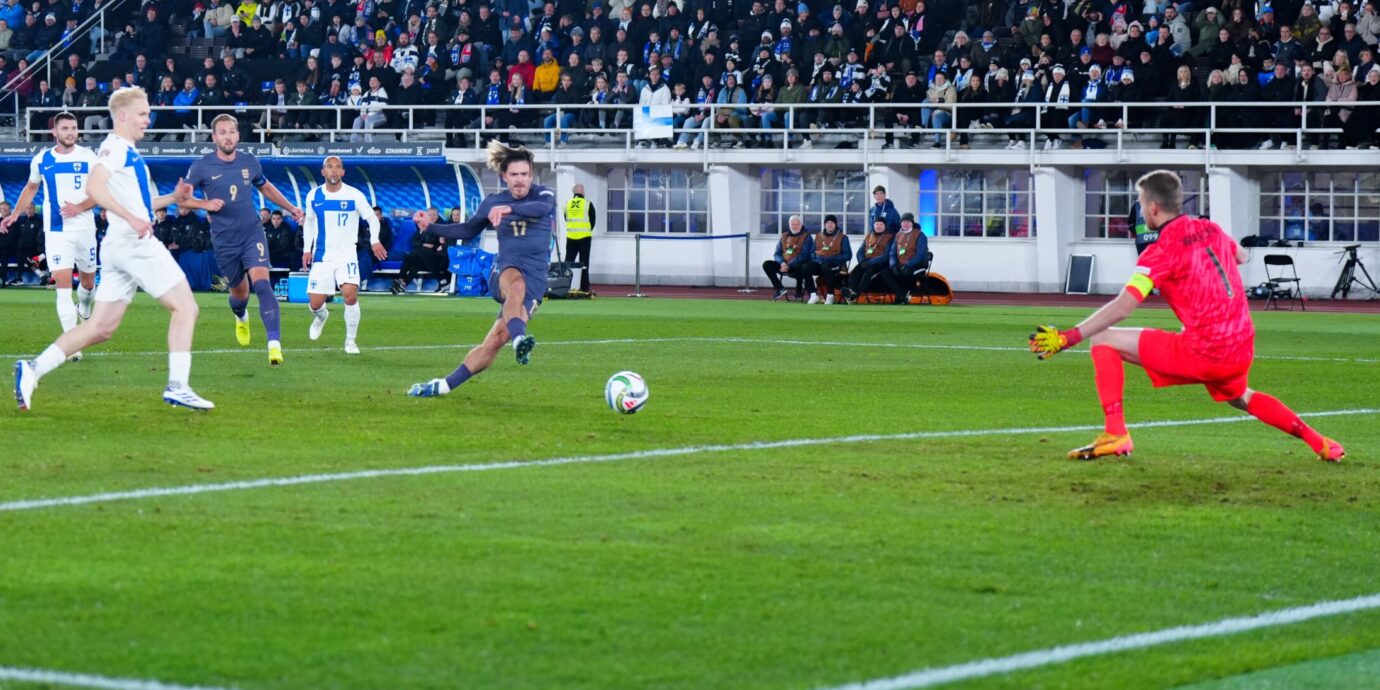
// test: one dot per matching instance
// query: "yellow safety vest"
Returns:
(577, 219)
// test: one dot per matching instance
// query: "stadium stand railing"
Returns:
(864, 125)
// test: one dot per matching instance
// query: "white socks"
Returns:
(52, 358)
(179, 367)
(351, 321)
(86, 297)
(67, 311)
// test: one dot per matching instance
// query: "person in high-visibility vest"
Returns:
(579, 225)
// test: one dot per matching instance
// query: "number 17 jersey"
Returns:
(1194, 266)
(332, 225)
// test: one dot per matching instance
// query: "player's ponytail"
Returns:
(501, 155)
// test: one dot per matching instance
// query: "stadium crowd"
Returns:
(1073, 60)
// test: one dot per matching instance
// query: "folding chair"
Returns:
(1285, 285)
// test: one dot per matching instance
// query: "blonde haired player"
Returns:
(69, 228)
(131, 258)
(328, 239)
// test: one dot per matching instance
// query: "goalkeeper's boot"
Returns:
(275, 353)
(1331, 451)
(242, 330)
(1103, 446)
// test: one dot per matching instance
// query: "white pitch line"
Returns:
(83, 680)
(192, 489)
(983, 668)
(686, 339)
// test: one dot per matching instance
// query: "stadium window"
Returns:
(814, 194)
(659, 200)
(1110, 194)
(976, 203)
(1340, 206)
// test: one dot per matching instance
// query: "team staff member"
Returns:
(792, 258)
(908, 253)
(579, 231)
(874, 257)
(832, 250)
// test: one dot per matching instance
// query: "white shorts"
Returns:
(67, 250)
(128, 264)
(325, 277)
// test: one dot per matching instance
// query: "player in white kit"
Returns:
(328, 247)
(69, 227)
(131, 258)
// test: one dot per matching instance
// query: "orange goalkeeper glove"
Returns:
(1048, 341)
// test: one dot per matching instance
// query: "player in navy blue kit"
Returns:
(227, 179)
(524, 217)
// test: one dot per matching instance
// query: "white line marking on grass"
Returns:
(82, 680)
(686, 339)
(193, 489)
(983, 668)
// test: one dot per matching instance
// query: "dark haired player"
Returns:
(69, 228)
(524, 217)
(227, 179)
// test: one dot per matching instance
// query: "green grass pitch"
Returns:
(783, 568)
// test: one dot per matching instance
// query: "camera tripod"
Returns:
(1348, 276)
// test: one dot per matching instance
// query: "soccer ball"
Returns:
(626, 392)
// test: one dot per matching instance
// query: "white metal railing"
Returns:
(45, 61)
(862, 123)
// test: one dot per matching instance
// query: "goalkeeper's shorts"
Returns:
(1169, 361)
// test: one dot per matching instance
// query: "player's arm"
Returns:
(180, 194)
(98, 188)
(308, 235)
(1048, 341)
(26, 196)
(271, 192)
(538, 205)
(464, 230)
(375, 227)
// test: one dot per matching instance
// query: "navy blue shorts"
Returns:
(536, 289)
(236, 257)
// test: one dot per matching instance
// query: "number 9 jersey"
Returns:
(330, 234)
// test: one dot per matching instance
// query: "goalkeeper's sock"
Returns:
(1270, 410)
(1111, 381)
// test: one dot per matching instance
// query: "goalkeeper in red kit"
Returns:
(1194, 267)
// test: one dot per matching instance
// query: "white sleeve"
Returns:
(367, 213)
(35, 177)
(309, 225)
(112, 156)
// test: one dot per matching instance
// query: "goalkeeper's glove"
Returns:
(1048, 341)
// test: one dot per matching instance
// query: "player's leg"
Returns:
(268, 311)
(183, 311)
(478, 359)
(516, 312)
(1270, 410)
(239, 306)
(85, 261)
(230, 261)
(320, 287)
(350, 292)
(61, 252)
(1109, 349)
(116, 289)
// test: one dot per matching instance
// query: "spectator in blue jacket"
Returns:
(793, 258)
(874, 258)
(883, 209)
(831, 255)
(906, 260)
